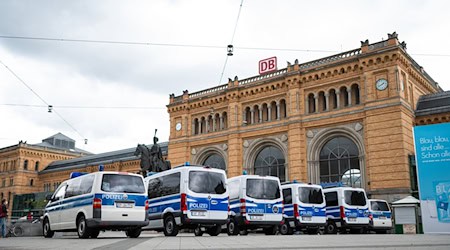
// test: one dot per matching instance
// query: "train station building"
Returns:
(344, 119)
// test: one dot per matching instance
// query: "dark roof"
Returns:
(48, 145)
(433, 104)
(60, 136)
(98, 159)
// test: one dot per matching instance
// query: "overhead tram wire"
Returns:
(81, 107)
(231, 43)
(186, 45)
(42, 99)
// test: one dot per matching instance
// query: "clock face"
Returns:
(381, 84)
(178, 126)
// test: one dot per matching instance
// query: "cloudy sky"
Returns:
(115, 94)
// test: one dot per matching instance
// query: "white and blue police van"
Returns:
(380, 216)
(347, 208)
(188, 197)
(255, 202)
(304, 208)
(92, 202)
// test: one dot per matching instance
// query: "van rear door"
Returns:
(208, 197)
(356, 207)
(123, 197)
(265, 202)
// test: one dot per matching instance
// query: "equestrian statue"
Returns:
(151, 159)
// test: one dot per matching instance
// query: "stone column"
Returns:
(316, 102)
(193, 127)
(252, 115)
(214, 123)
(221, 121)
(269, 113)
(349, 95)
(260, 114)
(207, 124)
(327, 101)
(338, 99)
(278, 111)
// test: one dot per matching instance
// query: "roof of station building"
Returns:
(432, 104)
(99, 159)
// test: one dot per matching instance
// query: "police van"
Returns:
(347, 208)
(255, 202)
(304, 208)
(380, 216)
(88, 203)
(187, 197)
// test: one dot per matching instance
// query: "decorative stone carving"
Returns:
(246, 144)
(310, 134)
(284, 138)
(358, 126)
(193, 151)
(225, 147)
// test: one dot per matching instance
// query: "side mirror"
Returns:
(48, 197)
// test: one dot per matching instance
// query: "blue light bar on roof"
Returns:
(76, 174)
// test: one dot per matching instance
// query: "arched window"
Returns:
(215, 161)
(311, 104)
(36, 166)
(270, 161)
(25, 165)
(355, 94)
(339, 162)
(283, 110)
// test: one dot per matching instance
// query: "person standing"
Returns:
(3, 215)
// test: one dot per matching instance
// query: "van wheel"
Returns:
(331, 228)
(82, 229)
(232, 227)
(270, 230)
(198, 231)
(170, 226)
(133, 233)
(95, 233)
(214, 231)
(48, 233)
(285, 229)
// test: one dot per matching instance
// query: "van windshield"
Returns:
(379, 206)
(122, 183)
(207, 182)
(311, 195)
(355, 198)
(263, 189)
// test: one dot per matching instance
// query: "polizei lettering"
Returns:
(198, 206)
(112, 196)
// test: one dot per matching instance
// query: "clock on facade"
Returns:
(381, 84)
(178, 126)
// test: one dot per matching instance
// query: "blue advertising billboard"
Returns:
(432, 147)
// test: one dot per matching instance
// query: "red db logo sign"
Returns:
(268, 65)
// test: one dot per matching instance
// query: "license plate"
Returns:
(124, 205)
(256, 217)
(198, 213)
(352, 219)
(382, 217)
(306, 218)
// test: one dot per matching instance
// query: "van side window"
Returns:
(331, 199)
(233, 187)
(73, 188)
(287, 196)
(86, 184)
(164, 185)
(170, 184)
(59, 194)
